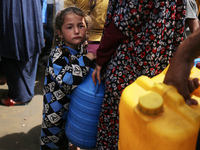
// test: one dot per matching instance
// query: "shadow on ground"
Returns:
(21, 141)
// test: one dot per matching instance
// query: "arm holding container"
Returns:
(181, 65)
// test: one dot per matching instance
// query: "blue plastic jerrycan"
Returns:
(83, 114)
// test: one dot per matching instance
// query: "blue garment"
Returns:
(20, 77)
(21, 40)
(21, 28)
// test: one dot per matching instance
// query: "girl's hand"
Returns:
(91, 56)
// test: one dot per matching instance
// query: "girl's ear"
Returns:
(60, 34)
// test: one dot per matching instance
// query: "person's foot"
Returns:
(10, 102)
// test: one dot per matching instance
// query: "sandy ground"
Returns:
(20, 125)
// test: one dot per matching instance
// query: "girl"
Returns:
(66, 68)
(97, 9)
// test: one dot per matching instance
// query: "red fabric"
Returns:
(108, 44)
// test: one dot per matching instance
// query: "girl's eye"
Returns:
(69, 27)
(82, 26)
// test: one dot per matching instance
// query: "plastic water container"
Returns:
(196, 61)
(154, 116)
(83, 114)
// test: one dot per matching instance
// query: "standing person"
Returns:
(192, 21)
(48, 30)
(140, 38)
(21, 39)
(97, 10)
(67, 66)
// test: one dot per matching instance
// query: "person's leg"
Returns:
(108, 125)
(20, 76)
(52, 133)
(2, 75)
(53, 124)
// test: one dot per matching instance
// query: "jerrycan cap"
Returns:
(150, 103)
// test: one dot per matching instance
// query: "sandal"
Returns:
(10, 102)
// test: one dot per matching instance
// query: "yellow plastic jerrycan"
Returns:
(154, 116)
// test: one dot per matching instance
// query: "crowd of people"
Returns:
(123, 39)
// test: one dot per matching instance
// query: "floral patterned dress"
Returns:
(154, 28)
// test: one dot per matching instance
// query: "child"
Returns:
(66, 69)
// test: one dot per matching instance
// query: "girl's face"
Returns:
(73, 30)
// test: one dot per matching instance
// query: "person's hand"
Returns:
(178, 76)
(96, 74)
(91, 56)
(181, 65)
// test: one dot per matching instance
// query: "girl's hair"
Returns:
(70, 10)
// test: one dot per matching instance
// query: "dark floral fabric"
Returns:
(154, 28)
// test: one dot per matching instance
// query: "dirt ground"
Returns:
(20, 125)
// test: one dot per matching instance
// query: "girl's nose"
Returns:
(76, 30)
